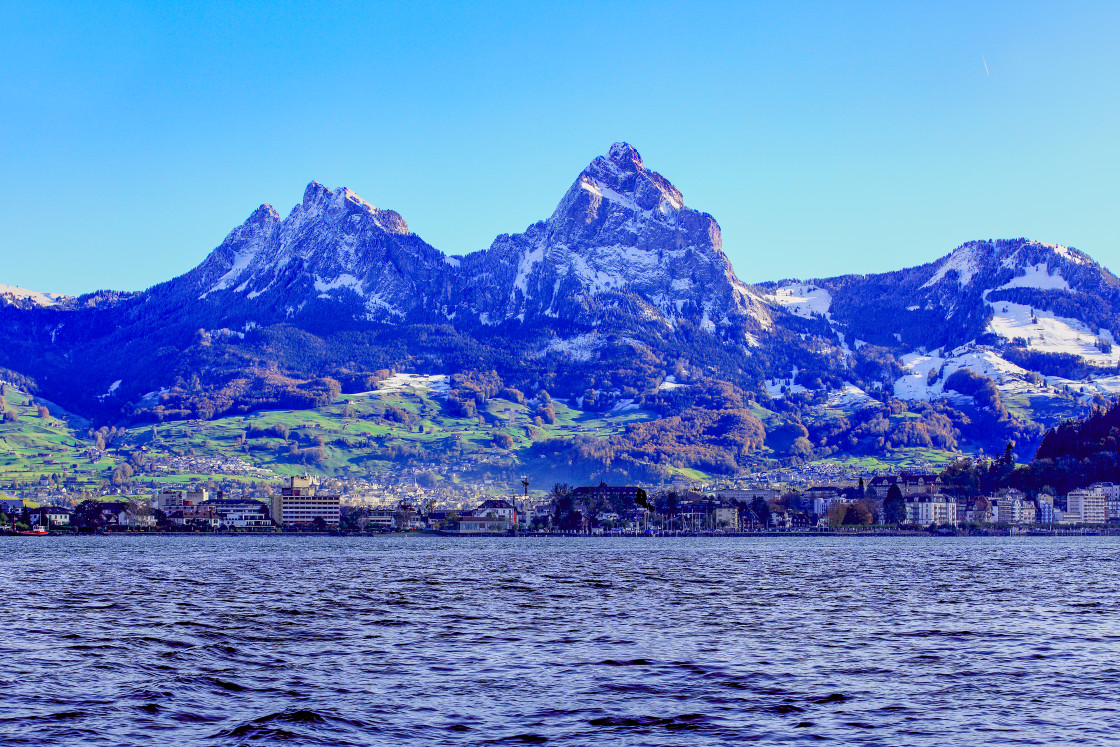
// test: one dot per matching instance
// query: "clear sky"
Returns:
(825, 138)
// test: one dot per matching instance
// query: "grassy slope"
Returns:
(34, 447)
(353, 445)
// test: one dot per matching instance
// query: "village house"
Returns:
(11, 505)
(501, 509)
(50, 516)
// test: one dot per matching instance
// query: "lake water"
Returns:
(423, 641)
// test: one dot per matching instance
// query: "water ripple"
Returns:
(435, 641)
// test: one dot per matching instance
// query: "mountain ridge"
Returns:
(623, 292)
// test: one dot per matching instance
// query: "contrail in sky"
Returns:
(986, 71)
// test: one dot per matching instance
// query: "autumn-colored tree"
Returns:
(858, 513)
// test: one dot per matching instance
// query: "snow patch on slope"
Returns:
(1037, 276)
(669, 383)
(1051, 333)
(914, 385)
(42, 299)
(1064, 251)
(342, 281)
(579, 348)
(964, 261)
(802, 299)
(849, 396)
(405, 382)
(774, 386)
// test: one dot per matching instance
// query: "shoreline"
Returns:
(1101, 532)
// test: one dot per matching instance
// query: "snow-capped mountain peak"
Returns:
(619, 179)
(334, 204)
(620, 231)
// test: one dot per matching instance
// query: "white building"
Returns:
(1012, 507)
(299, 504)
(822, 504)
(727, 517)
(499, 509)
(1085, 506)
(925, 510)
(1111, 493)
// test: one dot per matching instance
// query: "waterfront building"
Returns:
(1111, 493)
(500, 508)
(727, 517)
(924, 510)
(50, 516)
(621, 496)
(300, 505)
(1045, 508)
(382, 519)
(908, 483)
(482, 525)
(1085, 506)
(976, 511)
(200, 516)
(240, 513)
(1010, 506)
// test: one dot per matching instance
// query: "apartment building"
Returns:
(1085, 506)
(299, 504)
(1112, 495)
(924, 510)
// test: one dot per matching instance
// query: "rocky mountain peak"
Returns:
(338, 204)
(625, 156)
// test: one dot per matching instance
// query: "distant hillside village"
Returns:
(903, 501)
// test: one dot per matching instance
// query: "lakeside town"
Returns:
(907, 501)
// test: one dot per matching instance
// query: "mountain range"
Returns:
(622, 295)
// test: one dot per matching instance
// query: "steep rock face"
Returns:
(621, 230)
(620, 246)
(334, 246)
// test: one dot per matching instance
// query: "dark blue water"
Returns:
(420, 641)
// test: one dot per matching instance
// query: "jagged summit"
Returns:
(620, 178)
(625, 156)
(622, 277)
(339, 203)
(621, 230)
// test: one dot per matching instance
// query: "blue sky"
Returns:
(824, 137)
